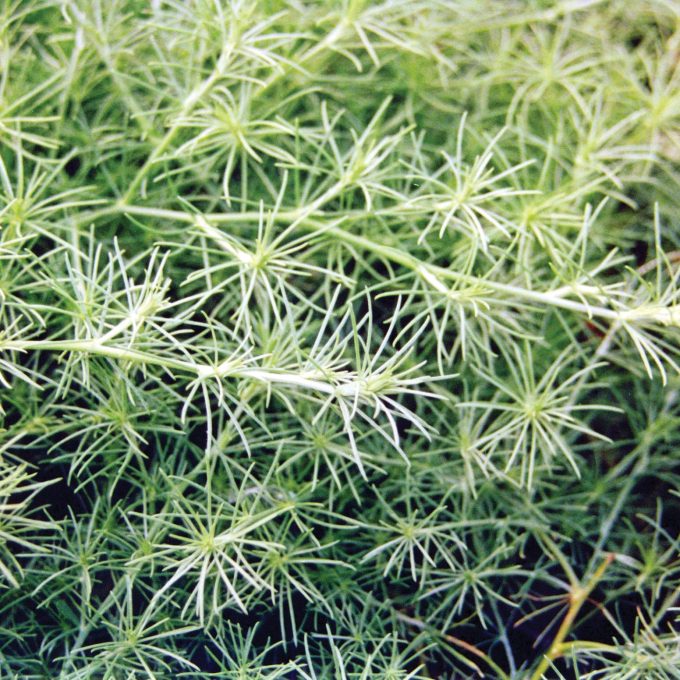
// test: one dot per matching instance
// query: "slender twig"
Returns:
(457, 642)
(578, 594)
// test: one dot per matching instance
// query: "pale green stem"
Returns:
(312, 381)
(576, 645)
(189, 103)
(201, 90)
(310, 218)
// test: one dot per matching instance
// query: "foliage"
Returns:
(339, 339)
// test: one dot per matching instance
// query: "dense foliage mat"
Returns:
(339, 339)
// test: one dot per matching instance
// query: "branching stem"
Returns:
(456, 641)
(434, 275)
(577, 596)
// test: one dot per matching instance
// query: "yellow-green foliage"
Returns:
(339, 339)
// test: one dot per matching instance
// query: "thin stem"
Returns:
(203, 88)
(225, 369)
(577, 596)
(432, 274)
(576, 645)
(189, 103)
(456, 641)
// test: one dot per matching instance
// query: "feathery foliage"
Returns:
(339, 339)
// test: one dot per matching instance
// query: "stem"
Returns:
(313, 381)
(576, 645)
(310, 218)
(203, 88)
(578, 595)
(97, 347)
(421, 625)
(194, 97)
